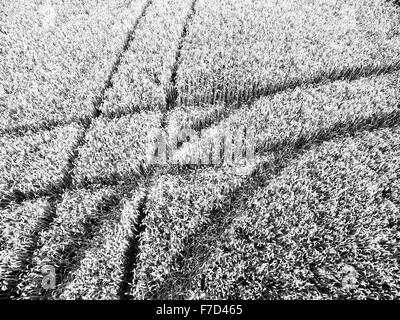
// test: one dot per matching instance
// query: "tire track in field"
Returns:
(108, 84)
(133, 250)
(55, 192)
(25, 257)
(235, 101)
(197, 246)
(349, 74)
(172, 91)
(22, 129)
(74, 254)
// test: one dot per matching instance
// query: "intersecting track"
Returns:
(110, 204)
(172, 92)
(55, 193)
(260, 177)
(171, 101)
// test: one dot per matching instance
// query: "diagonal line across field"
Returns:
(129, 38)
(197, 247)
(81, 271)
(306, 116)
(56, 194)
(196, 121)
(68, 171)
(85, 85)
(200, 115)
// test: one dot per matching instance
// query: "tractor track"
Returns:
(55, 192)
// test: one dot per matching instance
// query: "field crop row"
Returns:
(78, 218)
(178, 205)
(36, 162)
(19, 226)
(239, 48)
(182, 203)
(57, 57)
(326, 227)
(102, 270)
(115, 149)
(307, 113)
(143, 78)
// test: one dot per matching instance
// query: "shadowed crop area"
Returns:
(291, 109)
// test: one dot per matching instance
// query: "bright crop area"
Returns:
(56, 57)
(312, 87)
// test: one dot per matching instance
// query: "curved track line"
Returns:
(220, 218)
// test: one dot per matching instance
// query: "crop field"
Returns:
(199, 149)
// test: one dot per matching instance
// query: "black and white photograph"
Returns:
(199, 150)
